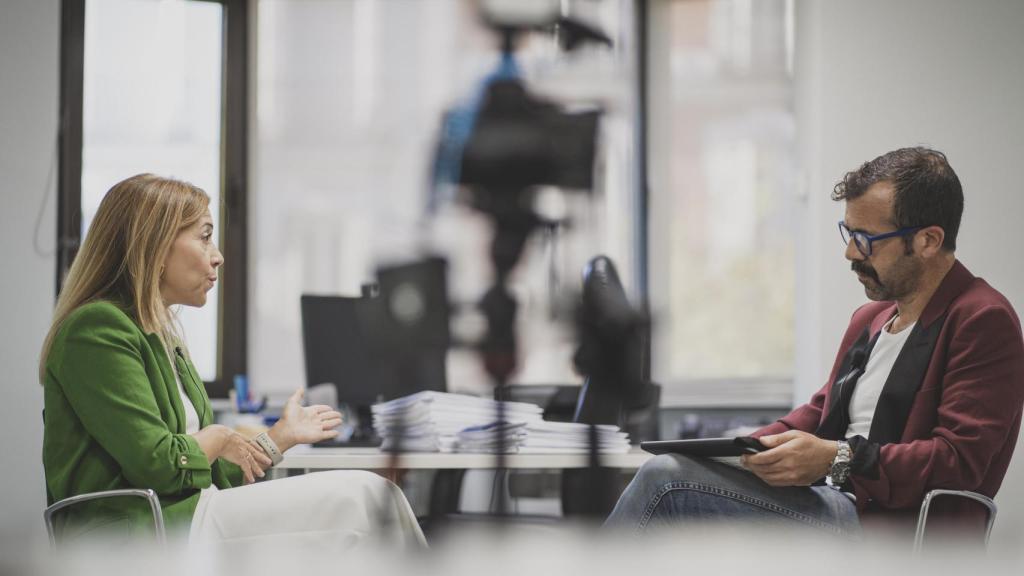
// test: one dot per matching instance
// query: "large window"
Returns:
(155, 107)
(350, 96)
(722, 179)
(144, 86)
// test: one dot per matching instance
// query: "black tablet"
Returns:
(708, 447)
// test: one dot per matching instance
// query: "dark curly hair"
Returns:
(927, 191)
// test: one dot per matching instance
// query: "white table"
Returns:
(450, 467)
(309, 458)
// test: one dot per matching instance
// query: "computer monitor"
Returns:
(371, 353)
(339, 349)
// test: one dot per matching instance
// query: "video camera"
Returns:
(520, 140)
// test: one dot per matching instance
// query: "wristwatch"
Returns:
(840, 469)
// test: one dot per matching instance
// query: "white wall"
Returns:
(29, 77)
(875, 75)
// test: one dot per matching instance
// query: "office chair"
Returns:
(612, 350)
(149, 495)
(612, 357)
(922, 518)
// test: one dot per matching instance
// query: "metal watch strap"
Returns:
(268, 445)
(839, 471)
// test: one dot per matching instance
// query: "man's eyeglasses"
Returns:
(864, 241)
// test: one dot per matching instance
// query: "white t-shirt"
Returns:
(869, 386)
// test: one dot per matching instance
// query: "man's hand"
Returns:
(794, 458)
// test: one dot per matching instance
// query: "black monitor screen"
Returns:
(346, 342)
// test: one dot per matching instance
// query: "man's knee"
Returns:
(666, 468)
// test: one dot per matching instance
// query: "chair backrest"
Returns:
(149, 495)
(613, 348)
(926, 505)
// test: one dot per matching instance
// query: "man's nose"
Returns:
(852, 252)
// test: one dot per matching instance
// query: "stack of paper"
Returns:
(438, 421)
(485, 438)
(540, 437)
(569, 437)
(429, 421)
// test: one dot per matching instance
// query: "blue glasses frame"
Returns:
(864, 242)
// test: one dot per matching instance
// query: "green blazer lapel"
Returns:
(167, 374)
(194, 388)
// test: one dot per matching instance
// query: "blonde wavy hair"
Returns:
(124, 252)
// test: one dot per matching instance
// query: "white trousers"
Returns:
(337, 510)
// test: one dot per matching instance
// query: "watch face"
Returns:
(839, 472)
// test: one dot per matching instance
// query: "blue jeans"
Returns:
(673, 489)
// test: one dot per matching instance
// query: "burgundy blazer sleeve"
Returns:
(803, 417)
(980, 391)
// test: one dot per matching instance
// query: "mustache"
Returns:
(863, 268)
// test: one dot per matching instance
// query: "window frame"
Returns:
(234, 186)
(643, 234)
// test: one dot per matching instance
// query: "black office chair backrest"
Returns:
(612, 350)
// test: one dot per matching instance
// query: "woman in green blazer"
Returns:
(125, 408)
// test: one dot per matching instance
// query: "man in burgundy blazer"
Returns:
(950, 411)
(948, 414)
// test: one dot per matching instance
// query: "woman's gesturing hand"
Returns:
(304, 424)
(246, 454)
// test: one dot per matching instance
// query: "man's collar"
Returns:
(952, 285)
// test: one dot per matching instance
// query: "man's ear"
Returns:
(929, 241)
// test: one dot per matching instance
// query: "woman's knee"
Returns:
(359, 478)
(375, 487)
